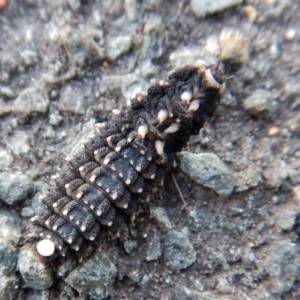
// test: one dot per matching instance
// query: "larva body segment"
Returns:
(120, 165)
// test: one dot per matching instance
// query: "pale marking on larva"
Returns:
(162, 115)
(45, 247)
(159, 146)
(143, 130)
(186, 96)
(109, 223)
(194, 105)
(172, 128)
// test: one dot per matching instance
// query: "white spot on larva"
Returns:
(96, 152)
(152, 176)
(159, 146)
(41, 234)
(163, 83)
(60, 247)
(65, 212)
(85, 202)
(107, 190)
(131, 162)
(162, 115)
(92, 207)
(128, 181)
(138, 168)
(116, 112)
(186, 96)
(201, 65)
(42, 197)
(93, 178)
(45, 247)
(70, 240)
(79, 195)
(143, 130)
(118, 149)
(140, 190)
(211, 81)
(100, 125)
(171, 115)
(113, 168)
(77, 223)
(55, 204)
(106, 161)
(76, 248)
(173, 128)
(67, 185)
(194, 105)
(125, 205)
(68, 158)
(114, 196)
(109, 223)
(71, 218)
(125, 156)
(47, 222)
(54, 227)
(121, 175)
(92, 238)
(108, 139)
(82, 168)
(99, 213)
(83, 228)
(49, 236)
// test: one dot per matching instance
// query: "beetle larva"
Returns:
(119, 166)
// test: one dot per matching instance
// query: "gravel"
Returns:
(65, 66)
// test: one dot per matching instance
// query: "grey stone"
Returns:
(202, 8)
(234, 46)
(10, 229)
(286, 219)
(93, 277)
(130, 245)
(40, 189)
(81, 48)
(259, 103)
(30, 57)
(35, 274)
(294, 124)
(179, 251)
(5, 159)
(275, 174)
(74, 4)
(7, 93)
(153, 38)
(75, 99)
(27, 212)
(54, 117)
(9, 287)
(19, 143)
(282, 263)
(5, 108)
(14, 187)
(133, 86)
(207, 169)
(38, 295)
(117, 46)
(135, 276)
(133, 10)
(31, 101)
(8, 258)
(161, 216)
(294, 175)
(153, 251)
(296, 193)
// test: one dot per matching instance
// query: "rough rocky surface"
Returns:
(64, 65)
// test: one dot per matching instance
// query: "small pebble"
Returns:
(272, 131)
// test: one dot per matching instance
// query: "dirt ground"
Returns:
(63, 63)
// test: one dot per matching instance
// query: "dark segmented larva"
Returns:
(119, 166)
